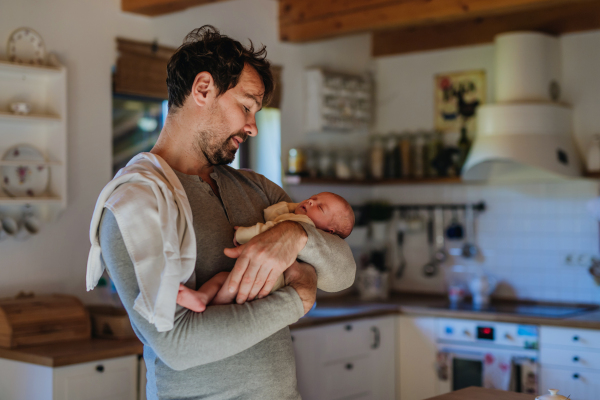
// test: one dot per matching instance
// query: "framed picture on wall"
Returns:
(457, 96)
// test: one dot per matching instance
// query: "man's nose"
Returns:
(251, 128)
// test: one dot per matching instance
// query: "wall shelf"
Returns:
(7, 67)
(45, 89)
(29, 118)
(297, 180)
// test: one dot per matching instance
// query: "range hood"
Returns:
(522, 142)
(527, 135)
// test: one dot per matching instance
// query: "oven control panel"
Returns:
(499, 333)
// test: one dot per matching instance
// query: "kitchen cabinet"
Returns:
(110, 379)
(416, 342)
(354, 359)
(570, 360)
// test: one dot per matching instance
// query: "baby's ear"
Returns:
(331, 231)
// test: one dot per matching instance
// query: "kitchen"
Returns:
(537, 238)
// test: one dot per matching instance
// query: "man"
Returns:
(242, 350)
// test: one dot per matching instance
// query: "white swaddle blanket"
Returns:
(153, 200)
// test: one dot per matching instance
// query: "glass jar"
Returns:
(312, 162)
(342, 165)
(357, 165)
(296, 161)
(326, 165)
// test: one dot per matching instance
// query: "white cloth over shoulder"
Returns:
(147, 194)
(274, 215)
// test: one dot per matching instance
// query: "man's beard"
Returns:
(218, 153)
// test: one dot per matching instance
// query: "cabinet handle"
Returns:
(575, 376)
(576, 338)
(376, 337)
(575, 359)
(100, 368)
(349, 366)
(348, 327)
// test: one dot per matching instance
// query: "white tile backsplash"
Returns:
(524, 235)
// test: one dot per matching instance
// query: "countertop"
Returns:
(339, 309)
(475, 393)
(76, 352)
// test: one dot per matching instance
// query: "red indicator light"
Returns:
(487, 331)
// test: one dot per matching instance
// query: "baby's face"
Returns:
(321, 208)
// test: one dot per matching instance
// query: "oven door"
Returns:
(465, 368)
(465, 365)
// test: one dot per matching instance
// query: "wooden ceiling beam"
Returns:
(554, 20)
(306, 20)
(154, 8)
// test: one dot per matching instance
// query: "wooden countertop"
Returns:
(68, 353)
(339, 309)
(475, 393)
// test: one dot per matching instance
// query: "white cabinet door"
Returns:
(574, 383)
(347, 360)
(416, 376)
(113, 379)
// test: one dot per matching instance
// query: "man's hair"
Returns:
(344, 223)
(205, 49)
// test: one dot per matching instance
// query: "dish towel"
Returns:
(497, 371)
(528, 369)
(146, 196)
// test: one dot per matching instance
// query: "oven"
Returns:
(486, 354)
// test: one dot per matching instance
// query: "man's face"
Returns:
(231, 119)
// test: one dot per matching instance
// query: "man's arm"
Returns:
(217, 333)
(328, 254)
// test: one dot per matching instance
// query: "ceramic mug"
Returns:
(9, 226)
(30, 225)
(20, 108)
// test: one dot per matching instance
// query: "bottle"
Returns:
(377, 158)
(593, 155)
(391, 158)
(405, 146)
(417, 156)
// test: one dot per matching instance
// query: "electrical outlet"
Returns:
(570, 259)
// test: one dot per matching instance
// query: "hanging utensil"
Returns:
(469, 249)
(401, 259)
(455, 230)
(431, 268)
(438, 219)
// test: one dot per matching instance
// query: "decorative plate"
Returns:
(28, 180)
(26, 46)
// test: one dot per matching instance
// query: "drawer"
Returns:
(572, 358)
(113, 379)
(347, 378)
(576, 384)
(576, 338)
(348, 340)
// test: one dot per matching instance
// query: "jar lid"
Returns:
(552, 396)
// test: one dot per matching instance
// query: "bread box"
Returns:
(32, 320)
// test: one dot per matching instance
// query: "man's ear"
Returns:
(203, 88)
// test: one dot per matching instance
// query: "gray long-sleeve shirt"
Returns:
(230, 351)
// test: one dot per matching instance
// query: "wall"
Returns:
(82, 33)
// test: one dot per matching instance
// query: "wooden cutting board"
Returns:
(42, 319)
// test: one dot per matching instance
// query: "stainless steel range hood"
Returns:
(522, 142)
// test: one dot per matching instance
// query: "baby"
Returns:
(326, 211)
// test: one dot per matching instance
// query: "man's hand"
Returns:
(263, 259)
(303, 278)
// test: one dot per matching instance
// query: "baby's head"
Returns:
(330, 213)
